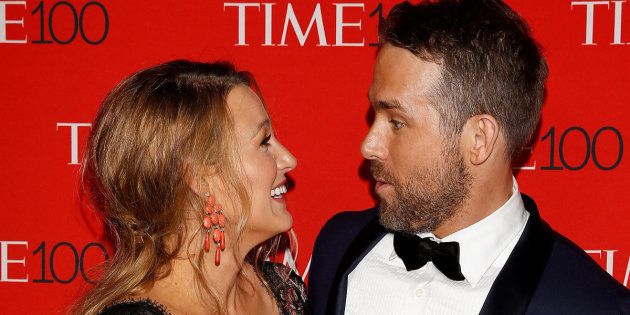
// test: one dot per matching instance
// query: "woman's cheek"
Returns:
(269, 170)
(262, 171)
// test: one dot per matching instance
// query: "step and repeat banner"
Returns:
(313, 61)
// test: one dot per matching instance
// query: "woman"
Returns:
(183, 164)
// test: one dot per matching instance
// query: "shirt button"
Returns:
(419, 292)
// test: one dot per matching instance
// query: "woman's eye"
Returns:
(265, 142)
(397, 124)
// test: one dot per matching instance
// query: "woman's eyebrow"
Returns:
(264, 123)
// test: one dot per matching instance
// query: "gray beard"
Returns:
(427, 199)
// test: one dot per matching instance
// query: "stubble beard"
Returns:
(426, 198)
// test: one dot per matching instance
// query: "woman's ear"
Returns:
(194, 184)
(196, 178)
(481, 133)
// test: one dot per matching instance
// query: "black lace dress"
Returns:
(288, 290)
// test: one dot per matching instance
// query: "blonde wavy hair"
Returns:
(155, 131)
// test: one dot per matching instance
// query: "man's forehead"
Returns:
(398, 65)
(402, 79)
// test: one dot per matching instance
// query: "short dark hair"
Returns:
(490, 64)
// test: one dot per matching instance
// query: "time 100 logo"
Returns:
(48, 18)
(584, 148)
(46, 255)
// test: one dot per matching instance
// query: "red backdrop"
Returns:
(58, 59)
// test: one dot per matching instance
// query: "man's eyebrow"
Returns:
(391, 105)
(261, 125)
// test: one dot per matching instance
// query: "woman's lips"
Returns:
(278, 192)
(282, 183)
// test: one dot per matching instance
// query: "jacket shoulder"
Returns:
(340, 230)
(573, 282)
(348, 222)
(330, 246)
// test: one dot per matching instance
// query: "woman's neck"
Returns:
(179, 292)
(236, 283)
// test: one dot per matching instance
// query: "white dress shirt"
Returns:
(380, 284)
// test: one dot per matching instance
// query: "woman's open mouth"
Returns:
(278, 192)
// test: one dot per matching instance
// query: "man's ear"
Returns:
(480, 133)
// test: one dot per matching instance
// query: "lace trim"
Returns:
(287, 288)
(149, 301)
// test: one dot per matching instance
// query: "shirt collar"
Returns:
(481, 243)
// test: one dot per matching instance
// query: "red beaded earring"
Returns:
(214, 223)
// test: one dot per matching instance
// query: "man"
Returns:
(457, 92)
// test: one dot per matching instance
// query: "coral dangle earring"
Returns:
(214, 223)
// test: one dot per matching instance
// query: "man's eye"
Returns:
(265, 142)
(397, 124)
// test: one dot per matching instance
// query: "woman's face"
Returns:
(265, 163)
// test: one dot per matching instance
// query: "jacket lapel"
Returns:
(367, 238)
(516, 283)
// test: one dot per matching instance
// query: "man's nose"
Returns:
(373, 146)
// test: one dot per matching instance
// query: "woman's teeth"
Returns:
(278, 191)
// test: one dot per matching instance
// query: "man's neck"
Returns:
(486, 196)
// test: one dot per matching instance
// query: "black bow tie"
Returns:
(416, 251)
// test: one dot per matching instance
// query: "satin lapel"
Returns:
(362, 244)
(517, 281)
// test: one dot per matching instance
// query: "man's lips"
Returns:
(380, 185)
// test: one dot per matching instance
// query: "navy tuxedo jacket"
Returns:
(545, 274)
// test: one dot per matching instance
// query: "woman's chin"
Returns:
(278, 223)
(284, 221)
(279, 208)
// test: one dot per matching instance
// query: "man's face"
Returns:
(421, 176)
